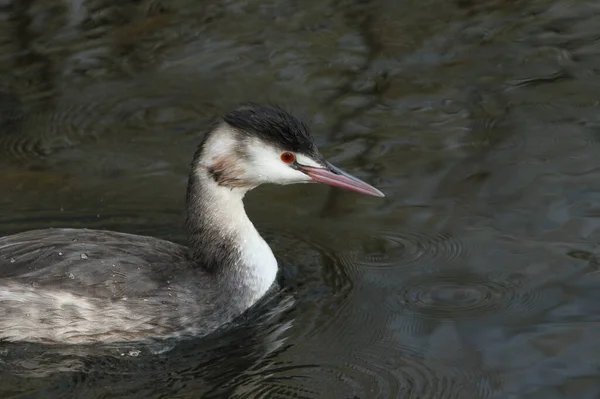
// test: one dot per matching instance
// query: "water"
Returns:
(476, 277)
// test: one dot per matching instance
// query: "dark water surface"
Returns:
(477, 277)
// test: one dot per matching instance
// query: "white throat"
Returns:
(222, 209)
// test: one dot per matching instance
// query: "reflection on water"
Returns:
(476, 277)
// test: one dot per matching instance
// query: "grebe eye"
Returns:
(288, 157)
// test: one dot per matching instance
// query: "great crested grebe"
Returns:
(83, 286)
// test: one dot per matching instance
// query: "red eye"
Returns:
(288, 157)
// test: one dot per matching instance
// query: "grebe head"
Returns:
(254, 144)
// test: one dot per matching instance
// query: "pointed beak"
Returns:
(336, 177)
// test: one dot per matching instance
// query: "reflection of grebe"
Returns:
(79, 285)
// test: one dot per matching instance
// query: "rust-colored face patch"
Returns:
(226, 172)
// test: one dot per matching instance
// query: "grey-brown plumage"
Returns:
(79, 285)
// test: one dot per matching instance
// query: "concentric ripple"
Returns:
(404, 247)
(319, 275)
(464, 296)
(376, 372)
(38, 128)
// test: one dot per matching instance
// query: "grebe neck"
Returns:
(224, 241)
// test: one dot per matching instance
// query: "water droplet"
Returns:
(71, 276)
(84, 256)
(60, 253)
(12, 260)
(134, 353)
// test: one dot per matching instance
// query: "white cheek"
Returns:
(267, 166)
(276, 171)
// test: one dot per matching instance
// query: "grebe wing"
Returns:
(93, 263)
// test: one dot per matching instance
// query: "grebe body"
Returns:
(85, 286)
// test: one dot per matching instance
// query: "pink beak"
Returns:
(336, 177)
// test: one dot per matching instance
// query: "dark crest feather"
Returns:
(273, 125)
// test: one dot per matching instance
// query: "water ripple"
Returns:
(320, 276)
(375, 372)
(400, 248)
(465, 296)
(420, 377)
(37, 129)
